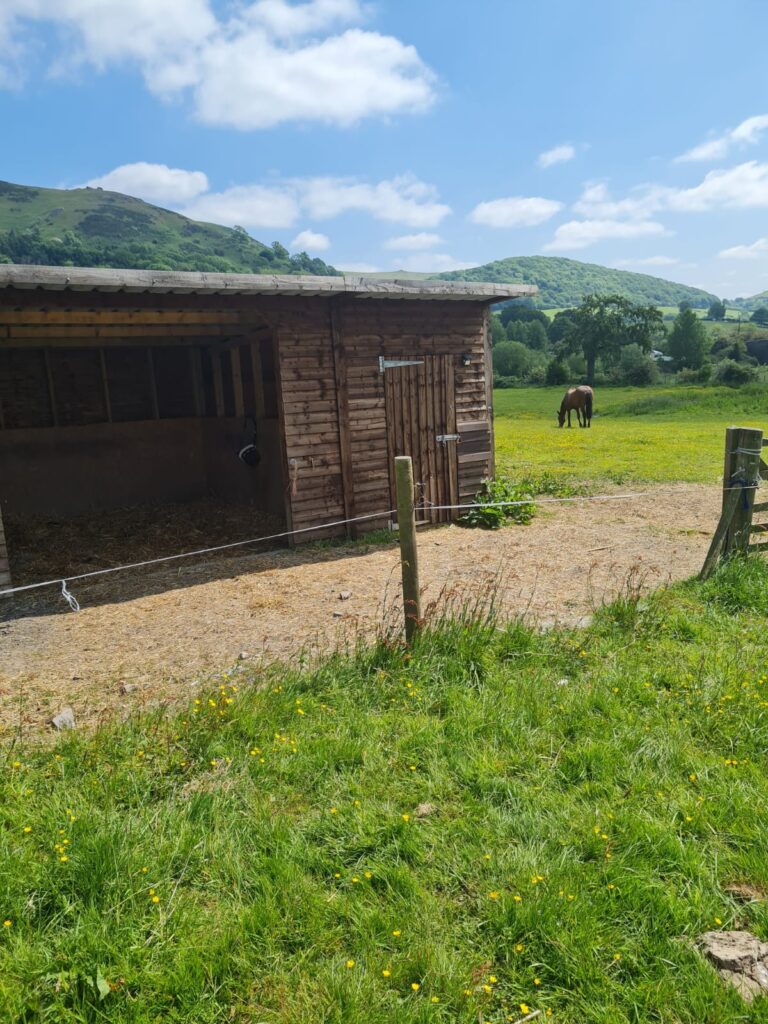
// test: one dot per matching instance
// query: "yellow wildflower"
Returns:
(350, 964)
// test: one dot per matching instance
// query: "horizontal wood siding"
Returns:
(314, 490)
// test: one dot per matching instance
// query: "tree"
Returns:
(603, 324)
(537, 337)
(716, 310)
(760, 316)
(635, 367)
(511, 359)
(525, 314)
(683, 305)
(497, 331)
(561, 321)
(688, 341)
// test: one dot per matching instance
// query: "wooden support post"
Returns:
(406, 523)
(741, 474)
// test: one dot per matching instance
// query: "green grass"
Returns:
(638, 434)
(259, 857)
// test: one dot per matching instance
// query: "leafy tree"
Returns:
(635, 367)
(560, 324)
(524, 313)
(603, 324)
(684, 304)
(688, 341)
(497, 331)
(716, 310)
(537, 337)
(760, 316)
(511, 359)
(557, 372)
(735, 375)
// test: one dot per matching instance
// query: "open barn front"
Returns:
(133, 427)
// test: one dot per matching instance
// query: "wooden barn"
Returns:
(128, 388)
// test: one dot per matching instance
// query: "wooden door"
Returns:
(421, 422)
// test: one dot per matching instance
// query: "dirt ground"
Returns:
(165, 629)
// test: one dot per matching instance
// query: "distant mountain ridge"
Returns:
(89, 227)
(563, 282)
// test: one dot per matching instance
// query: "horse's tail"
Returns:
(588, 406)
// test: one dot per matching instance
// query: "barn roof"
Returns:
(84, 279)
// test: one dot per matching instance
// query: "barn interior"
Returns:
(133, 426)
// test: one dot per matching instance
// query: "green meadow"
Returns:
(493, 823)
(638, 434)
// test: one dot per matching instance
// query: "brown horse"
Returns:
(580, 399)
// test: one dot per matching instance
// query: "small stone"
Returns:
(745, 892)
(242, 656)
(345, 595)
(338, 615)
(127, 688)
(64, 720)
(424, 810)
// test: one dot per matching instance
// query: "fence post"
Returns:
(741, 474)
(406, 524)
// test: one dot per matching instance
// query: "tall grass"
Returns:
(496, 819)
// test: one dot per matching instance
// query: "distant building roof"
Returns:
(83, 279)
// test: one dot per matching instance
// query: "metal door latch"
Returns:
(445, 438)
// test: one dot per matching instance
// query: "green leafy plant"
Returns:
(490, 514)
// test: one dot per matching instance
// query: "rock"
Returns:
(345, 595)
(127, 688)
(424, 810)
(64, 720)
(745, 892)
(338, 615)
(242, 656)
(741, 959)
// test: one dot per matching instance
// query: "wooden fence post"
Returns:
(741, 474)
(406, 524)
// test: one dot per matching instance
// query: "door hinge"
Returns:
(385, 364)
(445, 438)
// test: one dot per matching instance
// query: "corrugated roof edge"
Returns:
(185, 282)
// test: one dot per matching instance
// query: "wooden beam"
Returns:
(51, 389)
(259, 405)
(342, 412)
(283, 439)
(128, 317)
(116, 342)
(218, 383)
(105, 385)
(196, 364)
(36, 332)
(237, 381)
(153, 385)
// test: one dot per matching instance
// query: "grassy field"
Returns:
(496, 822)
(637, 434)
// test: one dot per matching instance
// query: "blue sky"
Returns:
(426, 135)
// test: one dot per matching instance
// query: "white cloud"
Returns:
(433, 263)
(311, 241)
(742, 186)
(757, 250)
(578, 234)
(361, 268)
(649, 261)
(745, 134)
(251, 206)
(413, 243)
(279, 203)
(556, 155)
(597, 203)
(156, 183)
(515, 211)
(268, 63)
(404, 199)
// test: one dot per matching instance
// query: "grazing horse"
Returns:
(580, 399)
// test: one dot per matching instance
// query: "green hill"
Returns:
(88, 227)
(564, 282)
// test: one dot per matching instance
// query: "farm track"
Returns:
(167, 630)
